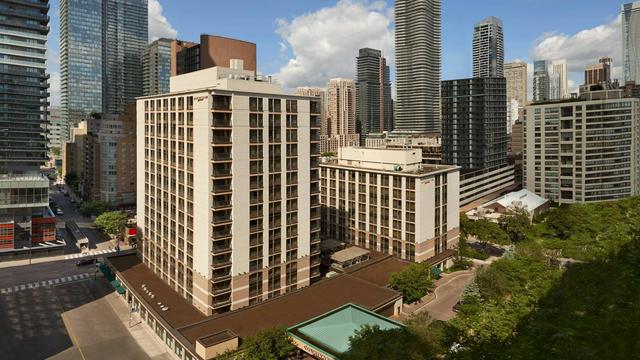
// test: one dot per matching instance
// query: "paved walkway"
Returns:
(96, 331)
(447, 289)
(139, 331)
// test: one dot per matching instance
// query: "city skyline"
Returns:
(279, 33)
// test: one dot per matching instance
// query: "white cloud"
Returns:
(325, 43)
(159, 26)
(581, 49)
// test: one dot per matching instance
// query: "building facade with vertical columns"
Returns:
(388, 201)
(228, 190)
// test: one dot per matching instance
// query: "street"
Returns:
(86, 225)
(10, 277)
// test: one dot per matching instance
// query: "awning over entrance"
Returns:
(327, 336)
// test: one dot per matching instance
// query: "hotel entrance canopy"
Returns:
(326, 337)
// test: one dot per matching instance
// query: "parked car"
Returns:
(59, 212)
(85, 262)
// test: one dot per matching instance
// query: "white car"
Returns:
(59, 212)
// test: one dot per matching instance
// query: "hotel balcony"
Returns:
(221, 247)
(220, 155)
(221, 103)
(221, 120)
(220, 187)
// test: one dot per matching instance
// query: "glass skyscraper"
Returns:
(631, 41)
(101, 46)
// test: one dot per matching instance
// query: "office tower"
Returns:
(540, 81)
(571, 153)
(474, 122)
(341, 116)
(374, 111)
(403, 208)
(322, 95)
(126, 35)
(156, 66)
(631, 41)
(212, 51)
(25, 219)
(598, 73)
(558, 80)
(228, 197)
(101, 45)
(488, 48)
(417, 34)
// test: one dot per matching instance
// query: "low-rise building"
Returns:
(388, 201)
(521, 200)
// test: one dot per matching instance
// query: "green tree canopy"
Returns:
(112, 222)
(93, 208)
(270, 344)
(420, 339)
(72, 180)
(413, 282)
(517, 225)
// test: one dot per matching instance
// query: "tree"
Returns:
(55, 151)
(420, 339)
(516, 225)
(93, 208)
(112, 223)
(413, 282)
(270, 344)
(328, 154)
(72, 180)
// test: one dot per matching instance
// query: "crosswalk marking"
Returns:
(90, 253)
(44, 283)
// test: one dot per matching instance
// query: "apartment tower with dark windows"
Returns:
(374, 107)
(25, 217)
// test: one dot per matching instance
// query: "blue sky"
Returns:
(319, 39)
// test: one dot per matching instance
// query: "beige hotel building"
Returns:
(228, 191)
(387, 200)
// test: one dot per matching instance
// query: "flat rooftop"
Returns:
(135, 274)
(286, 310)
(295, 307)
(377, 271)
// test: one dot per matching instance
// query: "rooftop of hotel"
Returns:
(286, 310)
(406, 161)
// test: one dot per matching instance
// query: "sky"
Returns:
(307, 42)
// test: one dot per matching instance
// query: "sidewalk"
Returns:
(139, 331)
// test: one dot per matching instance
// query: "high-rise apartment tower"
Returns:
(374, 108)
(418, 43)
(488, 48)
